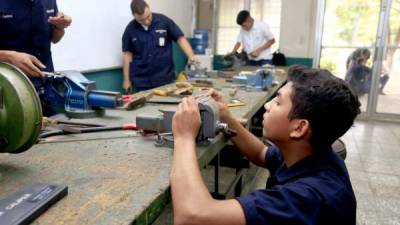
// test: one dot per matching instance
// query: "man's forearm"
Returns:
(127, 59)
(188, 189)
(186, 48)
(58, 34)
(126, 71)
(5, 55)
(236, 48)
(267, 45)
(248, 144)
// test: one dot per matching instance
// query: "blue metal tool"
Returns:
(78, 94)
(260, 80)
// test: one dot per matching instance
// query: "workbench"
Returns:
(116, 177)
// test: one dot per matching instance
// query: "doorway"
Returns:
(349, 27)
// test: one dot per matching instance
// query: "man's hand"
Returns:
(256, 53)
(127, 86)
(224, 112)
(186, 121)
(61, 21)
(216, 95)
(29, 64)
(234, 50)
(193, 60)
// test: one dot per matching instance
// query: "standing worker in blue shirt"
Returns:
(147, 49)
(308, 183)
(27, 29)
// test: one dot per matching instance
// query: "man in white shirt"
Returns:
(256, 38)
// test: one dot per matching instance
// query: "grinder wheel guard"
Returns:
(20, 111)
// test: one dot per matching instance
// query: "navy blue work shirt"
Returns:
(315, 190)
(152, 63)
(24, 28)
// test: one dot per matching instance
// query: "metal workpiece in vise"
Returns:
(259, 80)
(78, 94)
(162, 124)
(194, 71)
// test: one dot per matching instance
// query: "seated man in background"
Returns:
(359, 75)
(309, 183)
(27, 30)
(256, 38)
(147, 49)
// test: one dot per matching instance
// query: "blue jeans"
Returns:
(259, 62)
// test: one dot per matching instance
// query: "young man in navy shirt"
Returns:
(27, 29)
(309, 183)
(147, 49)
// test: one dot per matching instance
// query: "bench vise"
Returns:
(78, 94)
(21, 110)
(259, 80)
(162, 124)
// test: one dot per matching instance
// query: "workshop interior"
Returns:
(90, 92)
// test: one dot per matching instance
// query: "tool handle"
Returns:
(127, 126)
(135, 103)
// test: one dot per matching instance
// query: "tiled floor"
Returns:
(373, 155)
(373, 161)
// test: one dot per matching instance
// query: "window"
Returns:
(227, 29)
(268, 11)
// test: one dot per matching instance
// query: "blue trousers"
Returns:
(259, 62)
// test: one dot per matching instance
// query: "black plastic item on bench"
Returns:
(278, 58)
(26, 205)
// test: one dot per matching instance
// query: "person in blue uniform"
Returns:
(359, 75)
(308, 183)
(28, 27)
(147, 49)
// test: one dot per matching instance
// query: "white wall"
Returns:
(298, 28)
(93, 41)
(180, 11)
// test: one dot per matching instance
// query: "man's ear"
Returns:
(299, 128)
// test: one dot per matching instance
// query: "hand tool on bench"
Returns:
(235, 102)
(202, 83)
(47, 121)
(165, 100)
(164, 91)
(127, 126)
(66, 126)
(137, 101)
(180, 88)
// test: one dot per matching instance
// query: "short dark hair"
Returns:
(242, 16)
(138, 6)
(327, 102)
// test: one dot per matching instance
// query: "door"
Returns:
(387, 80)
(359, 32)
